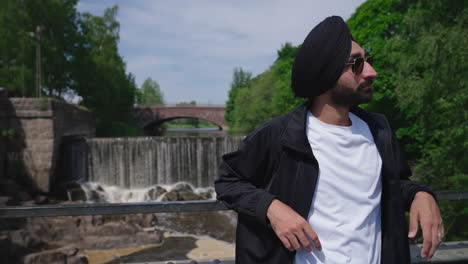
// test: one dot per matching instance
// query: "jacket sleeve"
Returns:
(243, 175)
(408, 188)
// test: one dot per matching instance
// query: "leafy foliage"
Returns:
(79, 58)
(432, 89)
(263, 97)
(100, 77)
(372, 25)
(284, 100)
(252, 103)
(241, 79)
(150, 93)
(18, 21)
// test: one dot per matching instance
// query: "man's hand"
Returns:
(424, 210)
(291, 228)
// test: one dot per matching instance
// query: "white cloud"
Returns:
(191, 47)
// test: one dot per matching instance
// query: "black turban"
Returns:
(321, 58)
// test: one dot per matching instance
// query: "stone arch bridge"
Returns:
(148, 117)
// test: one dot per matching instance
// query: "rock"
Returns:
(118, 241)
(97, 196)
(24, 239)
(182, 192)
(183, 186)
(99, 188)
(141, 220)
(170, 196)
(10, 223)
(23, 196)
(76, 194)
(41, 199)
(145, 220)
(82, 232)
(64, 255)
(9, 187)
(28, 203)
(189, 196)
(11, 254)
(8, 201)
(217, 224)
(155, 191)
(181, 196)
(117, 228)
(207, 194)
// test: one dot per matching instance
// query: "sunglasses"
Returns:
(358, 64)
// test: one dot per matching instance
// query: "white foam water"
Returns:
(97, 192)
(217, 225)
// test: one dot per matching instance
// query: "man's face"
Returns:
(354, 89)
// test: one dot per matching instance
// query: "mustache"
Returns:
(366, 83)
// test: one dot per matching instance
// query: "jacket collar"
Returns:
(295, 137)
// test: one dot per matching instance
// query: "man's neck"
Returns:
(330, 113)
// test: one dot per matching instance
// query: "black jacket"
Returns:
(276, 162)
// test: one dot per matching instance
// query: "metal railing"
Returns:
(180, 105)
(145, 207)
(110, 208)
(448, 252)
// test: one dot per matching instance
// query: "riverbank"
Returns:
(174, 247)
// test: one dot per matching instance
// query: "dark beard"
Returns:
(346, 96)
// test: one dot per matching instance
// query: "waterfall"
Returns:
(137, 162)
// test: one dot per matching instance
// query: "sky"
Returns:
(191, 47)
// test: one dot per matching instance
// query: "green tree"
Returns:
(419, 55)
(151, 93)
(240, 80)
(432, 86)
(100, 76)
(420, 52)
(372, 25)
(430, 68)
(253, 103)
(18, 20)
(79, 57)
(284, 100)
(263, 97)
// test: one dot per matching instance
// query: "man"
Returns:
(326, 183)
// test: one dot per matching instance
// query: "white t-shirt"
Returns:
(345, 210)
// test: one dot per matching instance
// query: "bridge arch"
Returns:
(151, 116)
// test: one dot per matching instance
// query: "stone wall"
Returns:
(39, 127)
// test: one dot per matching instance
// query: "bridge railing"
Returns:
(183, 105)
(451, 252)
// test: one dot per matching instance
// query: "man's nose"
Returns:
(368, 71)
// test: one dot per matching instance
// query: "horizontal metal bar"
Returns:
(146, 207)
(110, 209)
(187, 261)
(452, 195)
